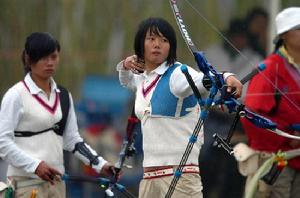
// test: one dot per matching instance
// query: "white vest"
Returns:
(165, 137)
(47, 146)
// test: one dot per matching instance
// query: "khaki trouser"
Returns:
(263, 189)
(287, 184)
(37, 188)
(189, 185)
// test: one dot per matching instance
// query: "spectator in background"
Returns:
(274, 93)
(224, 57)
(257, 26)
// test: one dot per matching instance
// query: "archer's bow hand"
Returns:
(47, 173)
(110, 171)
(235, 87)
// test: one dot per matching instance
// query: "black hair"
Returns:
(253, 37)
(236, 27)
(155, 26)
(278, 43)
(256, 11)
(38, 45)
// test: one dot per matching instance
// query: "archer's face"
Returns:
(156, 50)
(45, 67)
(292, 39)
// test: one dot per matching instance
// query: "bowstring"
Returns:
(269, 94)
(213, 27)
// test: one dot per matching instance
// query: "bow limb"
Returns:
(265, 123)
(284, 134)
(202, 63)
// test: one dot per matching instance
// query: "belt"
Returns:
(22, 183)
(170, 171)
(30, 182)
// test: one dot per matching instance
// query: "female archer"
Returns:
(281, 81)
(38, 122)
(166, 107)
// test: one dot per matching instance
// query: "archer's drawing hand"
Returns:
(234, 86)
(47, 173)
(134, 64)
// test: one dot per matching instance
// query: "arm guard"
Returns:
(89, 157)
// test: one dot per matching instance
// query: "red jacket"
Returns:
(260, 98)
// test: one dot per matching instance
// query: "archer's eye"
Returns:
(150, 38)
(165, 40)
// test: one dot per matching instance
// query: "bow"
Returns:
(217, 86)
(128, 148)
(127, 151)
(102, 182)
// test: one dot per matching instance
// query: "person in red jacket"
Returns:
(275, 94)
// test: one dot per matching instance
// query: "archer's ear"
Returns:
(27, 60)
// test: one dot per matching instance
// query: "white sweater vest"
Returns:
(165, 139)
(46, 146)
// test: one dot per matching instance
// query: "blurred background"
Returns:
(96, 34)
